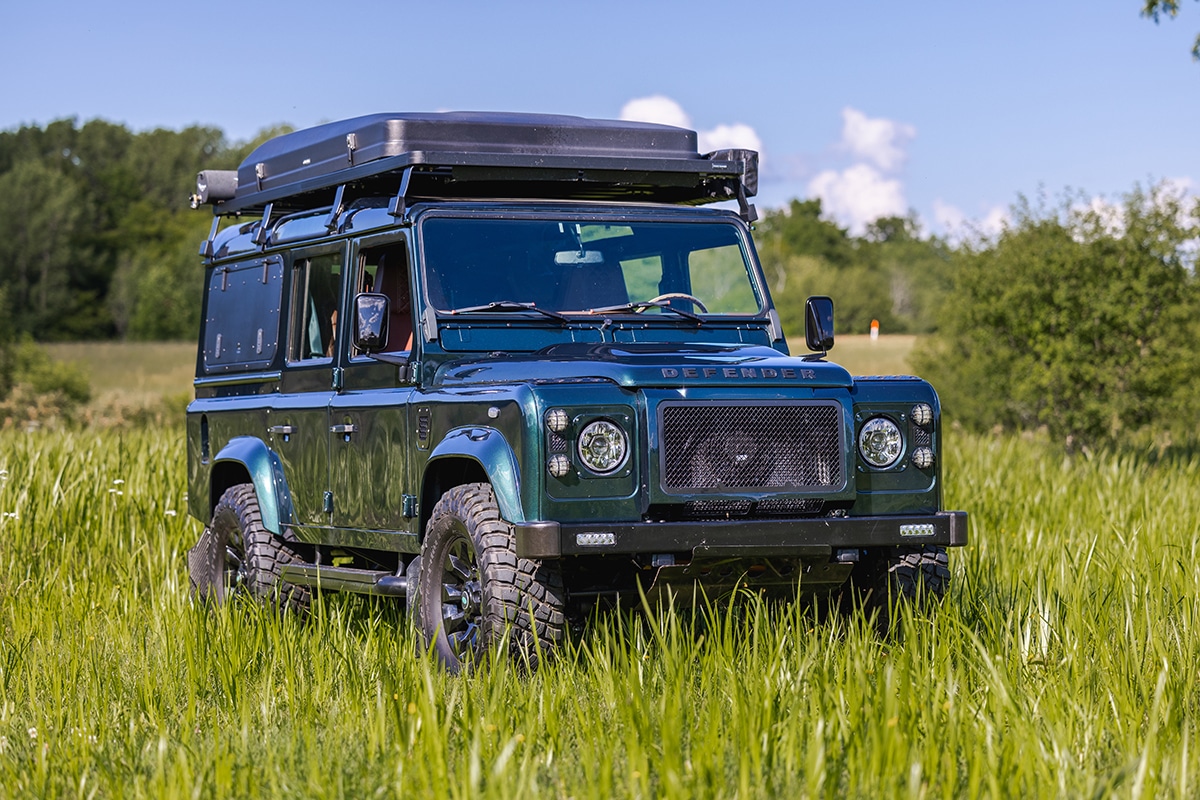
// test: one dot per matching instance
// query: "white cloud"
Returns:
(656, 108)
(1108, 217)
(665, 111)
(956, 225)
(881, 141)
(858, 195)
(737, 135)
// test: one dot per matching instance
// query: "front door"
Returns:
(368, 419)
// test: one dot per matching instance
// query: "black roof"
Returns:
(483, 154)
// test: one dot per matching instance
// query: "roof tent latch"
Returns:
(331, 222)
(264, 228)
(351, 146)
(398, 208)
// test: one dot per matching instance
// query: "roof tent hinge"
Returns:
(746, 209)
(351, 146)
(206, 247)
(264, 229)
(331, 222)
(398, 207)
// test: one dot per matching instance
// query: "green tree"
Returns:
(1081, 320)
(40, 215)
(917, 269)
(156, 290)
(1155, 9)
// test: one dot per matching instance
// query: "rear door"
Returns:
(299, 417)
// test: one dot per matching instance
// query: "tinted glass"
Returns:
(581, 266)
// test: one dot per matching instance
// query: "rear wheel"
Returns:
(473, 589)
(249, 557)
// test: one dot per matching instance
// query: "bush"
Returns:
(33, 387)
(1081, 321)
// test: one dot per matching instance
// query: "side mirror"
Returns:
(818, 324)
(370, 322)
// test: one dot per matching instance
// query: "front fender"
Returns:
(488, 448)
(266, 473)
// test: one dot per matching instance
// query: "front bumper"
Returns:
(806, 538)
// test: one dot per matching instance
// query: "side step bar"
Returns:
(345, 579)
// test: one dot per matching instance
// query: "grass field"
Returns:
(1065, 662)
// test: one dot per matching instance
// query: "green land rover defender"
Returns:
(505, 367)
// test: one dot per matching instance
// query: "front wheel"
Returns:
(473, 589)
(892, 576)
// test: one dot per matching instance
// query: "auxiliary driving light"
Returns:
(557, 420)
(922, 458)
(879, 442)
(922, 414)
(602, 447)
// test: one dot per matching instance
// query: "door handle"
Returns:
(344, 430)
(285, 430)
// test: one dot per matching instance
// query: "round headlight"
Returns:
(602, 447)
(879, 442)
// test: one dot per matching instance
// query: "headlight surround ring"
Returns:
(603, 447)
(880, 442)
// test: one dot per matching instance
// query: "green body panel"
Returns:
(488, 448)
(266, 473)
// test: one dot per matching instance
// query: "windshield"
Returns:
(579, 267)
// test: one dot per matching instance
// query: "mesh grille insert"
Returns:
(748, 447)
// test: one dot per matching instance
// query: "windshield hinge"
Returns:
(746, 209)
(398, 207)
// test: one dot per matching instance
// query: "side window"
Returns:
(384, 270)
(316, 283)
(241, 324)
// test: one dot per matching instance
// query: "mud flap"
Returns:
(204, 568)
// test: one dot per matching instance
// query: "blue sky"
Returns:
(950, 109)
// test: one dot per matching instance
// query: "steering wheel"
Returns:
(678, 296)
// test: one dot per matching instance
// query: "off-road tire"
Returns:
(474, 592)
(250, 557)
(889, 577)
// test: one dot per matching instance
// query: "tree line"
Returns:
(96, 237)
(1077, 318)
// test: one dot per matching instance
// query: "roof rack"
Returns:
(477, 155)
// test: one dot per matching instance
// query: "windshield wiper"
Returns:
(511, 305)
(665, 305)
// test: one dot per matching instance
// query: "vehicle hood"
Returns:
(646, 366)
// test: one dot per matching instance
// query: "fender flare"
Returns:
(488, 448)
(266, 473)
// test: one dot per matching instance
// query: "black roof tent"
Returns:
(479, 154)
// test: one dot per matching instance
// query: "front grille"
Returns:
(751, 446)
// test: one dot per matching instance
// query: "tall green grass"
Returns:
(1064, 663)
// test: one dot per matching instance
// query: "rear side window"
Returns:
(241, 326)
